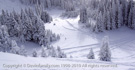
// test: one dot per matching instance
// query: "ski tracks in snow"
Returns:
(113, 44)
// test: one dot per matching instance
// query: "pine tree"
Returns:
(130, 18)
(113, 14)
(40, 33)
(105, 19)
(125, 12)
(105, 53)
(116, 16)
(58, 37)
(96, 29)
(133, 21)
(83, 15)
(4, 39)
(3, 17)
(111, 17)
(108, 20)
(14, 48)
(60, 53)
(120, 17)
(38, 9)
(69, 5)
(11, 23)
(49, 50)
(26, 25)
(53, 52)
(91, 54)
(43, 52)
(100, 22)
(130, 15)
(47, 4)
(23, 51)
(34, 53)
(62, 4)
(63, 55)
(45, 17)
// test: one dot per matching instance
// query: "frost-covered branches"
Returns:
(27, 27)
(45, 17)
(4, 39)
(105, 53)
(91, 54)
(110, 14)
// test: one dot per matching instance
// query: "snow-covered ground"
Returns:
(16, 62)
(76, 42)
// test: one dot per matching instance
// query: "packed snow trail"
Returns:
(80, 46)
(69, 28)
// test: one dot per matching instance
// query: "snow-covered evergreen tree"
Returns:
(105, 53)
(99, 22)
(95, 28)
(91, 54)
(34, 53)
(130, 13)
(49, 50)
(109, 20)
(43, 52)
(39, 34)
(23, 51)
(3, 17)
(45, 17)
(11, 23)
(14, 48)
(120, 17)
(93, 4)
(47, 3)
(53, 52)
(125, 10)
(113, 14)
(105, 19)
(26, 25)
(50, 37)
(38, 9)
(4, 39)
(60, 53)
(83, 15)
(116, 13)
(69, 5)
(63, 55)
(58, 37)
(133, 21)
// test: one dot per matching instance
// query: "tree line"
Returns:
(108, 14)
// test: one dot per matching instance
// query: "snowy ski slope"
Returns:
(76, 42)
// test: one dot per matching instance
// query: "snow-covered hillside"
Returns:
(74, 41)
